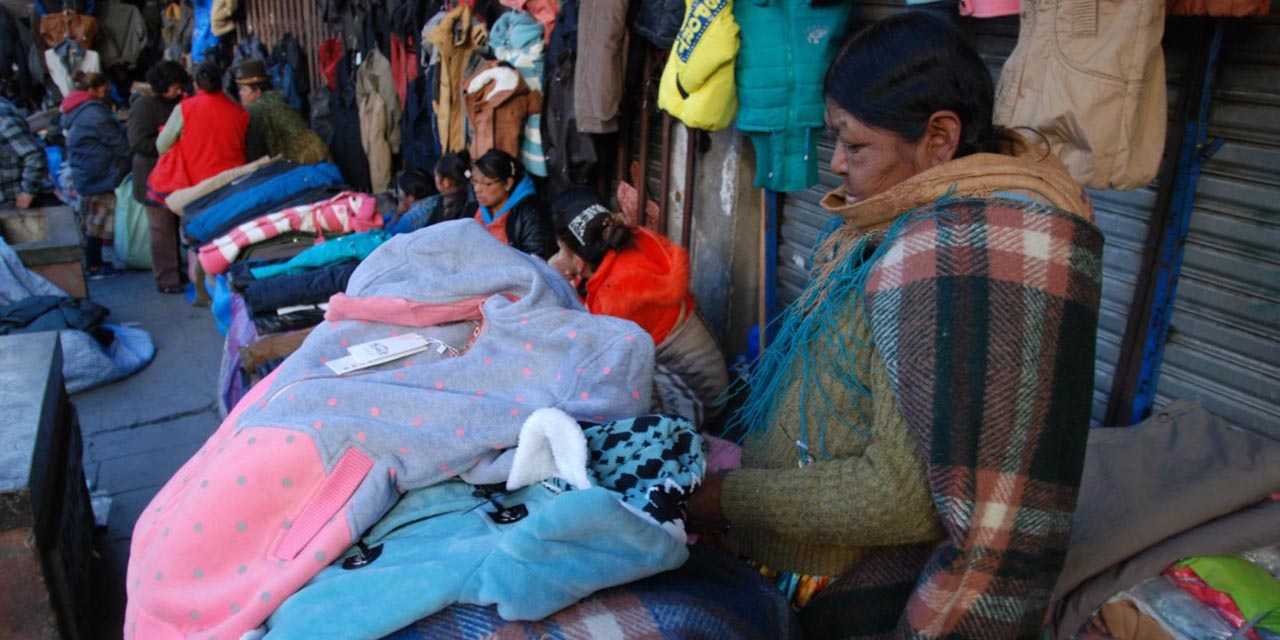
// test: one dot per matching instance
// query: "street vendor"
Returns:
(275, 128)
(916, 430)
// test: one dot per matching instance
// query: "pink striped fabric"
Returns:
(347, 212)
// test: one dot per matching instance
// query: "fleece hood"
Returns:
(75, 99)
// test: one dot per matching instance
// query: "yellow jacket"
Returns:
(697, 83)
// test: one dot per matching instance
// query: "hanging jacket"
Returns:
(212, 141)
(658, 21)
(203, 39)
(521, 222)
(498, 102)
(379, 118)
(1094, 89)
(601, 65)
(418, 144)
(571, 154)
(345, 213)
(221, 17)
(122, 33)
(96, 143)
(147, 114)
(779, 76)
(544, 11)
(176, 29)
(516, 38)
(309, 460)
(288, 68)
(344, 106)
(697, 83)
(454, 51)
(440, 545)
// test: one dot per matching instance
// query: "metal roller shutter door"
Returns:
(1223, 349)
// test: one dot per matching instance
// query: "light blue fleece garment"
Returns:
(440, 545)
(356, 246)
(524, 189)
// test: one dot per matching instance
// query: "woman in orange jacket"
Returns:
(638, 275)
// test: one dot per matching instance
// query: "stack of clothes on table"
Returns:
(277, 239)
(1176, 534)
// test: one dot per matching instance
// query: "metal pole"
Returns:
(664, 182)
(1138, 372)
(686, 207)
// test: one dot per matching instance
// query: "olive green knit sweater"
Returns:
(869, 490)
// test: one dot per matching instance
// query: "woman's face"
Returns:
(100, 92)
(491, 192)
(871, 161)
(173, 92)
(567, 263)
(249, 94)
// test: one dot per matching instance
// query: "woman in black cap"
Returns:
(636, 274)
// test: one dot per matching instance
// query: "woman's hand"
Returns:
(705, 514)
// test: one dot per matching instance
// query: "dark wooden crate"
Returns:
(46, 523)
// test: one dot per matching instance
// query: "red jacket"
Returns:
(211, 142)
(646, 282)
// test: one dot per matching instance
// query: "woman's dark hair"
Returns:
(417, 183)
(208, 76)
(165, 74)
(455, 167)
(600, 229)
(85, 81)
(499, 165)
(898, 72)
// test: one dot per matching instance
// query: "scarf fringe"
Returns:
(810, 337)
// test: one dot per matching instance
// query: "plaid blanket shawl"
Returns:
(713, 596)
(984, 307)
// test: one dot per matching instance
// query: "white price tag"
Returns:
(392, 347)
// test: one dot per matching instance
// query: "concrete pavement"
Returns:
(139, 430)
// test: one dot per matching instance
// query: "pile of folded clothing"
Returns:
(277, 273)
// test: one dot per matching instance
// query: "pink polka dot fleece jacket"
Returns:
(309, 460)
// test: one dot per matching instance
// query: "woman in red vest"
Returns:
(203, 137)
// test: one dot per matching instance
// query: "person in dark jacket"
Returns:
(275, 128)
(426, 199)
(509, 206)
(99, 156)
(149, 112)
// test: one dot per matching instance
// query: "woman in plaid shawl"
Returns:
(916, 431)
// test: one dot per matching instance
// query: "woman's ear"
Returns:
(510, 184)
(941, 138)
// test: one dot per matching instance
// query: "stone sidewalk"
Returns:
(139, 430)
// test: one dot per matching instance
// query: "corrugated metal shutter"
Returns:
(269, 20)
(1122, 216)
(1224, 346)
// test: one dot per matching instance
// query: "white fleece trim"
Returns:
(551, 444)
(504, 79)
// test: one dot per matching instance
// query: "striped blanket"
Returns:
(713, 596)
(344, 213)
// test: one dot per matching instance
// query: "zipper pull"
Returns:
(803, 450)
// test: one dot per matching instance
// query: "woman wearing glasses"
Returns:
(509, 206)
